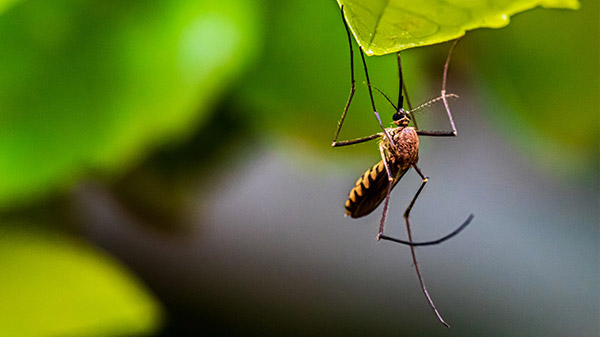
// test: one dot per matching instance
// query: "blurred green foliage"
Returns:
(91, 86)
(57, 286)
(92, 89)
(5, 4)
(382, 26)
(543, 94)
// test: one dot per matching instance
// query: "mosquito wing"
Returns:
(370, 190)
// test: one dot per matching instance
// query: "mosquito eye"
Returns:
(399, 116)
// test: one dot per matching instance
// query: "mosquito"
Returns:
(399, 150)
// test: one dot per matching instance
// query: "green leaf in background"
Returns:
(540, 77)
(388, 26)
(92, 86)
(5, 4)
(52, 285)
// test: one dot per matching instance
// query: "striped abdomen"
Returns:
(370, 189)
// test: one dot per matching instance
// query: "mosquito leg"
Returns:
(414, 257)
(357, 140)
(387, 135)
(352, 90)
(380, 235)
(444, 84)
(389, 190)
(444, 98)
(432, 242)
(412, 248)
(400, 83)
(403, 88)
(407, 214)
(353, 87)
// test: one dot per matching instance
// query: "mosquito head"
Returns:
(401, 118)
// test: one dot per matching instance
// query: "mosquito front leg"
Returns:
(387, 135)
(352, 90)
(362, 56)
(402, 88)
(353, 86)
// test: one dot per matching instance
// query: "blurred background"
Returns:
(166, 170)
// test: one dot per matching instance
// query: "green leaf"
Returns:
(540, 80)
(92, 86)
(388, 26)
(5, 4)
(52, 285)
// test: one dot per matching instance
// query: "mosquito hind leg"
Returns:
(381, 236)
(412, 248)
(432, 242)
(413, 244)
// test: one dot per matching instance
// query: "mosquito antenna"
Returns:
(432, 101)
(386, 97)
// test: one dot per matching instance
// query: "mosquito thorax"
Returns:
(401, 118)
